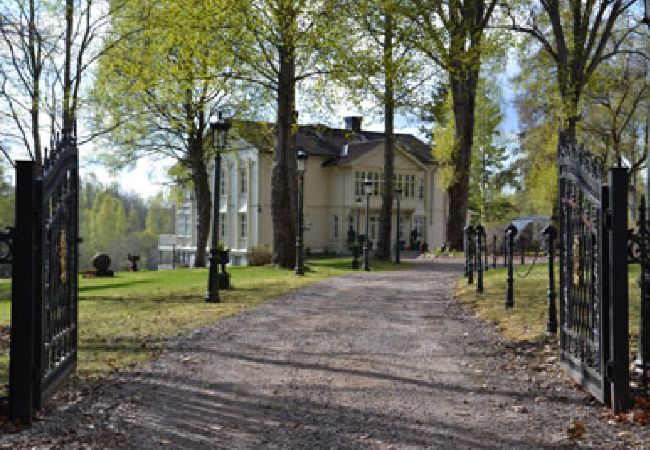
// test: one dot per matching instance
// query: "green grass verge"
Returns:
(126, 319)
(527, 320)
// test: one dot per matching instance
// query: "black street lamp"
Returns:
(301, 166)
(219, 129)
(398, 195)
(356, 244)
(358, 200)
(367, 186)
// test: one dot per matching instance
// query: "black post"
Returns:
(300, 262)
(522, 249)
(505, 250)
(22, 351)
(480, 233)
(470, 254)
(173, 256)
(511, 232)
(618, 290)
(366, 264)
(551, 233)
(643, 358)
(466, 250)
(494, 251)
(398, 193)
(486, 266)
(212, 295)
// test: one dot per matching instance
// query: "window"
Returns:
(418, 225)
(243, 181)
(421, 189)
(375, 184)
(243, 226)
(336, 227)
(222, 182)
(373, 227)
(222, 226)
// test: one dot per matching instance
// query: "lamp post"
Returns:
(301, 166)
(219, 128)
(367, 185)
(358, 200)
(398, 195)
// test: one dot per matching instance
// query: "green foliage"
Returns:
(112, 223)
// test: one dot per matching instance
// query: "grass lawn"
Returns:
(126, 319)
(527, 320)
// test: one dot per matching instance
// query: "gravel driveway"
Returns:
(370, 360)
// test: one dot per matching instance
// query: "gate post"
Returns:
(21, 360)
(551, 233)
(480, 232)
(511, 232)
(618, 365)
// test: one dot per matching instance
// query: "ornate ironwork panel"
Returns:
(57, 267)
(583, 301)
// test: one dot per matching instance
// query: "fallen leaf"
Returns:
(576, 430)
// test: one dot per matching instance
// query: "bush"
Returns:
(260, 256)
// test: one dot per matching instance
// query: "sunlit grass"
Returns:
(126, 319)
(527, 320)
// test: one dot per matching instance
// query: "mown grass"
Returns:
(126, 319)
(527, 320)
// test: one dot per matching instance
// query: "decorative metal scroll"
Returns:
(583, 332)
(57, 261)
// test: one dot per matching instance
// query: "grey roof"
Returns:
(320, 140)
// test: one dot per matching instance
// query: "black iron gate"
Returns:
(593, 278)
(44, 278)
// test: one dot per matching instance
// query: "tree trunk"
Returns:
(199, 173)
(35, 60)
(464, 99)
(283, 187)
(385, 224)
(68, 119)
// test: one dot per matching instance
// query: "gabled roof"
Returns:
(320, 140)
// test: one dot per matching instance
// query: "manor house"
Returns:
(339, 160)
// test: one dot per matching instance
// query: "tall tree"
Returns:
(452, 36)
(578, 35)
(383, 66)
(157, 88)
(278, 44)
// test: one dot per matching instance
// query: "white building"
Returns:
(339, 161)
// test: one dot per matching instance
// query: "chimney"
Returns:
(353, 123)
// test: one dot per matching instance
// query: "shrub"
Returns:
(260, 256)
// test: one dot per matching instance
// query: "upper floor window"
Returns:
(243, 226)
(243, 181)
(421, 189)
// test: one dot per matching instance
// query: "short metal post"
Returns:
(480, 232)
(511, 232)
(494, 251)
(551, 233)
(486, 266)
(618, 290)
(470, 254)
(466, 250)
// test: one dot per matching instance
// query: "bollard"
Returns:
(469, 230)
(466, 249)
(551, 233)
(511, 232)
(522, 249)
(494, 251)
(485, 251)
(480, 234)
